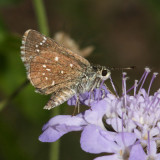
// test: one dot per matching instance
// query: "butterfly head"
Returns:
(102, 72)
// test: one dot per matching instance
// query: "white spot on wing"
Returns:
(36, 46)
(46, 78)
(41, 43)
(56, 58)
(44, 66)
(62, 72)
(23, 52)
(53, 82)
(23, 59)
(71, 65)
(45, 38)
(22, 47)
(48, 69)
(27, 66)
(23, 42)
(43, 73)
(37, 50)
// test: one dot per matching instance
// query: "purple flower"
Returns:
(85, 98)
(125, 127)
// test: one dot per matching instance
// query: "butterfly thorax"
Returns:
(92, 78)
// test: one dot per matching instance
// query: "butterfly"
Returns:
(56, 70)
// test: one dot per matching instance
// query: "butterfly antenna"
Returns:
(122, 68)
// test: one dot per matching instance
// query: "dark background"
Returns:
(124, 33)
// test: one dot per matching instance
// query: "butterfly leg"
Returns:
(103, 92)
(77, 106)
(90, 96)
(95, 85)
(109, 91)
(99, 86)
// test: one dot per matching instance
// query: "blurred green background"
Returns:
(124, 33)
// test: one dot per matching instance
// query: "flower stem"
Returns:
(41, 16)
(54, 148)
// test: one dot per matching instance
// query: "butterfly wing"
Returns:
(50, 67)
(59, 97)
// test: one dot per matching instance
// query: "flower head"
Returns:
(125, 127)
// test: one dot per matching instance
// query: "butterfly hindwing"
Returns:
(59, 97)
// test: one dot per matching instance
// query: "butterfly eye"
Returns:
(104, 72)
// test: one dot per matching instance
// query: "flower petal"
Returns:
(153, 148)
(95, 114)
(125, 139)
(50, 135)
(116, 123)
(65, 119)
(93, 142)
(137, 153)
(158, 156)
(60, 125)
(110, 157)
(108, 135)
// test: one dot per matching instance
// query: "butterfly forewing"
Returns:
(50, 67)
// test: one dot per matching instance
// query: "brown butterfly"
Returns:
(56, 70)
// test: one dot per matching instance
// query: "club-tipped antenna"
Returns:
(122, 68)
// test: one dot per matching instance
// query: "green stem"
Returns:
(54, 150)
(43, 28)
(41, 16)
